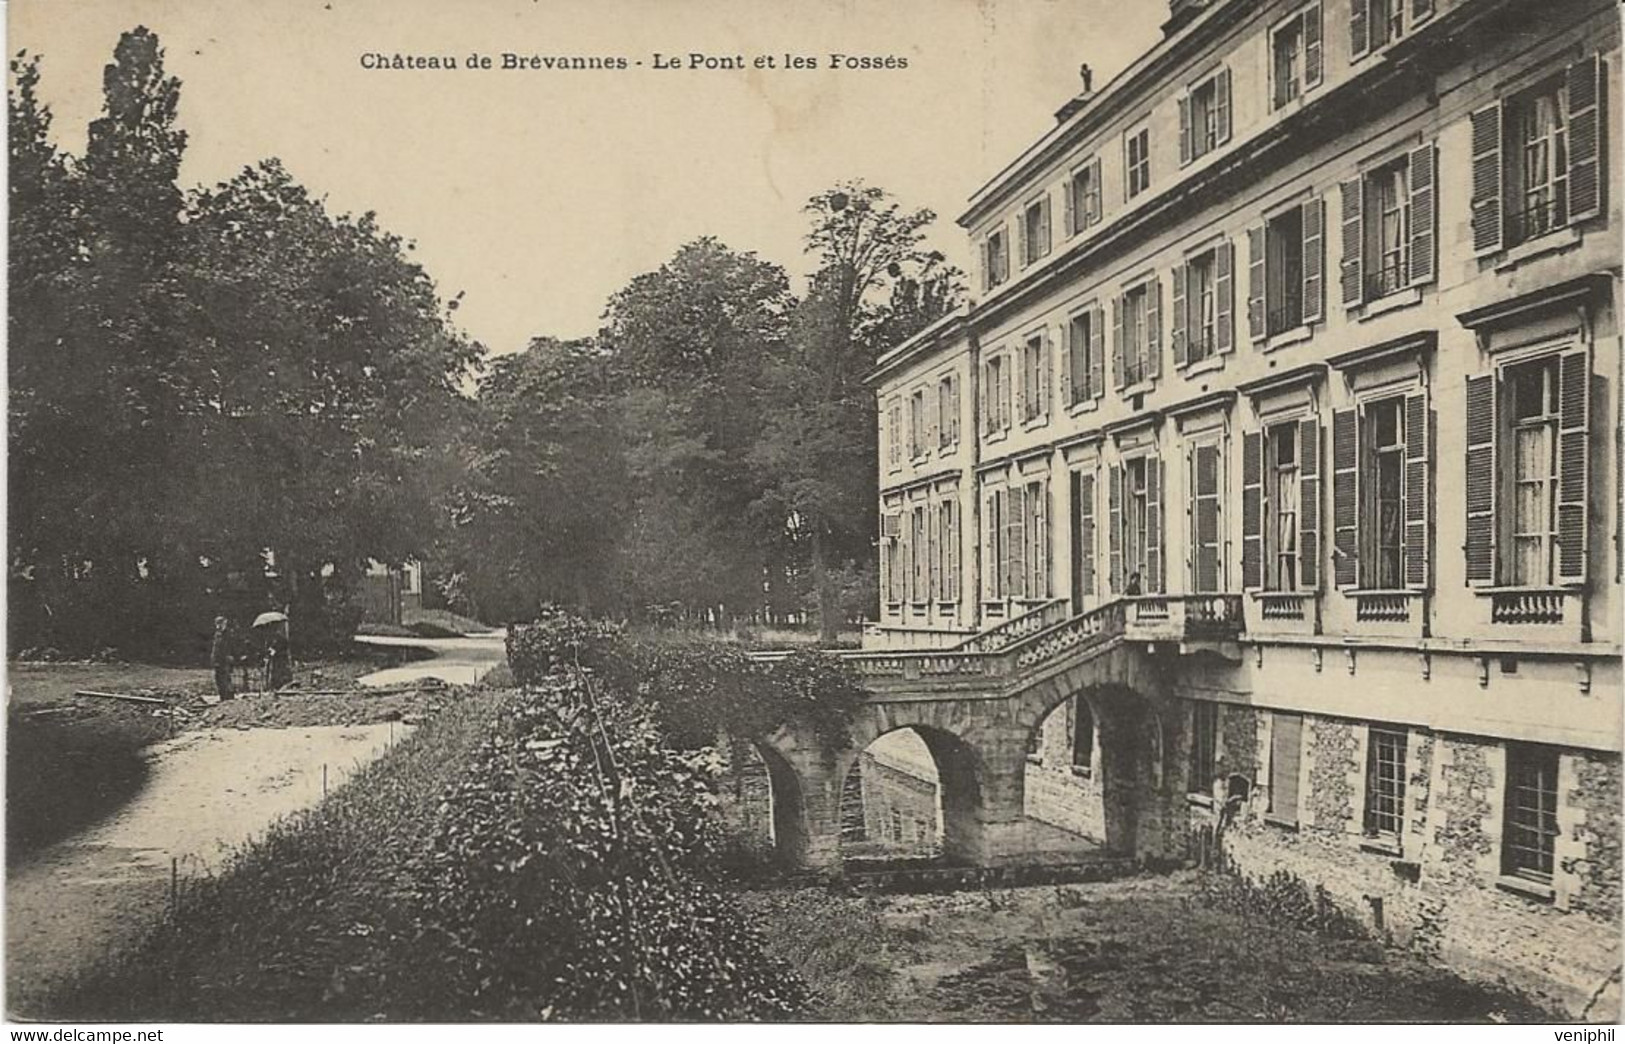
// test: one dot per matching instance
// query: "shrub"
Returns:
(555, 640)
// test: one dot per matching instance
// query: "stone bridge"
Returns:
(977, 708)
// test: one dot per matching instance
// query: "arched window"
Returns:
(1083, 737)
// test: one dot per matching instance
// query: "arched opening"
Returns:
(1063, 786)
(762, 801)
(912, 795)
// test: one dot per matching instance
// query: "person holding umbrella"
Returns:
(278, 666)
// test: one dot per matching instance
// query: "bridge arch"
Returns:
(912, 790)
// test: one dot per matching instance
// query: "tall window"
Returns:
(1537, 157)
(1083, 736)
(1385, 784)
(1385, 538)
(1207, 551)
(996, 394)
(1035, 237)
(1284, 288)
(1204, 117)
(1532, 393)
(1281, 507)
(947, 411)
(1082, 380)
(993, 578)
(1530, 829)
(1137, 335)
(1201, 297)
(1286, 757)
(948, 550)
(1033, 569)
(1381, 493)
(1204, 746)
(894, 425)
(1287, 50)
(1137, 162)
(896, 568)
(995, 259)
(919, 556)
(1387, 248)
(916, 424)
(1083, 197)
(1034, 377)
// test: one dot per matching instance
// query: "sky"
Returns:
(538, 193)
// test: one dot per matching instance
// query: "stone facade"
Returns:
(1059, 792)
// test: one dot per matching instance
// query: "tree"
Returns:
(876, 285)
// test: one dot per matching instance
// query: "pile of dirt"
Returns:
(292, 709)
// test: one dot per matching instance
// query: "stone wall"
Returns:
(1442, 894)
(1055, 792)
(899, 811)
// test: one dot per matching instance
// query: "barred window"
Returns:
(1385, 783)
(1531, 811)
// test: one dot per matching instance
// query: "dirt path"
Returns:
(209, 790)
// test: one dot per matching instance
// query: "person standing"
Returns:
(220, 657)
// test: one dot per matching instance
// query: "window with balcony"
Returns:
(1389, 219)
(1381, 494)
(1528, 465)
(1136, 162)
(1280, 549)
(995, 259)
(1137, 335)
(1297, 63)
(1203, 324)
(1204, 117)
(1083, 361)
(1537, 163)
(1286, 259)
(1529, 829)
(1083, 197)
(1206, 486)
(1035, 382)
(1385, 785)
(1035, 229)
(1135, 526)
(948, 412)
(996, 395)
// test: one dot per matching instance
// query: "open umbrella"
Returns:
(269, 618)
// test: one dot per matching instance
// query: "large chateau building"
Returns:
(1315, 304)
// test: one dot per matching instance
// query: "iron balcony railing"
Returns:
(1387, 279)
(1536, 220)
(1287, 317)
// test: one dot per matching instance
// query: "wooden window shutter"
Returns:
(1286, 755)
(1119, 377)
(1585, 138)
(1314, 261)
(1046, 370)
(885, 562)
(1007, 378)
(1256, 328)
(1184, 130)
(985, 255)
(1424, 178)
(1015, 585)
(1021, 377)
(1155, 529)
(1353, 242)
(1421, 10)
(1206, 519)
(1070, 205)
(907, 556)
(1482, 480)
(1252, 510)
(990, 547)
(1153, 328)
(1046, 240)
(990, 403)
(1573, 464)
(1309, 504)
(933, 521)
(1085, 492)
(1021, 238)
(1067, 369)
(1042, 529)
(1417, 492)
(1359, 27)
(1092, 210)
(1097, 351)
(1177, 328)
(932, 425)
(1345, 497)
(1487, 202)
(952, 551)
(1221, 104)
(1313, 57)
(1114, 528)
(1224, 294)
(953, 408)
